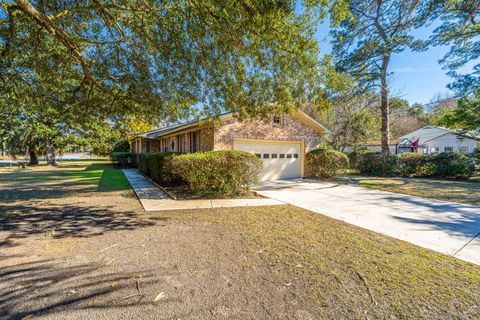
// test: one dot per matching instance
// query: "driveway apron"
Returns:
(446, 227)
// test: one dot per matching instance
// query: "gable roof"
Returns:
(300, 115)
(428, 133)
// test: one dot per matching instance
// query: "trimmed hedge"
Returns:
(452, 165)
(122, 146)
(412, 162)
(218, 172)
(355, 157)
(324, 163)
(158, 166)
(205, 173)
(445, 165)
(379, 164)
(122, 159)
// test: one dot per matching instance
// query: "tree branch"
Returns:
(11, 28)
(48, 25)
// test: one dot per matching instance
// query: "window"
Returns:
(266, 156)
(277, 120)
(448, 149)
(274, 156)
(180, 143)
(463, 149)
(258, 155)
(282, 155)
(173, 145)
(194, 141)
(289, 155)
(435, 149)
(295, 155)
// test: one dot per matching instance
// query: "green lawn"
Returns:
(443, 189)
(73, 176)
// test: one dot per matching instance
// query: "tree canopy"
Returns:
(351, 119)
(406, 117)
(459, 28)
(165, 59)
(364, 43)
(465, 116)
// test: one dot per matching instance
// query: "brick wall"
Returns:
(221, 137)
(207, 139)
(204, 143)
(290, 129)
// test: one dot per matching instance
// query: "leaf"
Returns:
(159, 296)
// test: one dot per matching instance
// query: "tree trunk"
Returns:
(33, 158)
(384, 107)
(50, 153)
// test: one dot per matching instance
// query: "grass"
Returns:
(72, 176)
(349, 272)
(461, 191)
(307, 261)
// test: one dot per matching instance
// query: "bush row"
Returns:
(205, 173)
(123, 159)
(447, 165)
(157, 166)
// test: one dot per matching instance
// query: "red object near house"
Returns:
(415, 143)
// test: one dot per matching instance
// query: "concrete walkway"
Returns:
(153, 198)
(446, 227)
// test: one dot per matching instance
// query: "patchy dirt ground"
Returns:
(76, 245)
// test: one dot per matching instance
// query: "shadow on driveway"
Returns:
(458, 219)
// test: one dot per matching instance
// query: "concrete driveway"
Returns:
(446, 227)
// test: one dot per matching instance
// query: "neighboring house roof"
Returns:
(428, 133)
(379, 143)
(302, 116)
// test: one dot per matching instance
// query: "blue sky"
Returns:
(417, 75)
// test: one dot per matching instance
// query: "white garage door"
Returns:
(280, 160)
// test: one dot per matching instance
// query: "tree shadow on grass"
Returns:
(46, 287)
(51, 184)
(67, 221)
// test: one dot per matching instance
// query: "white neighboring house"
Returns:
(437, 139)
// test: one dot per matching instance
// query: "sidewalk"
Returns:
(153, 198)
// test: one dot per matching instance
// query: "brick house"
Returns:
(281, 142)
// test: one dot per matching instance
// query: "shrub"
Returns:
(379, 164)
(476, 155)
(121, 146)
(426, 170)
(157, 166)
(218, 172)
(324, 163)
(411, 162)
(452, 165)
(355, 157)
(123, 159)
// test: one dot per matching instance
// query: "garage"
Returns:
(281, 159)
